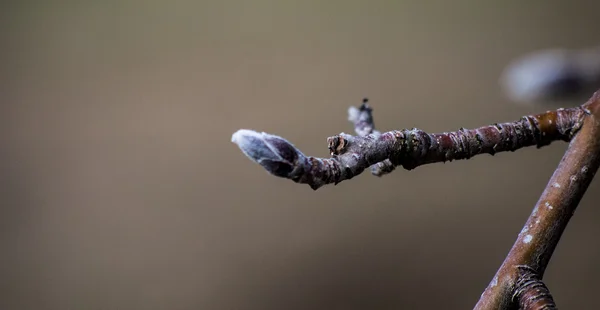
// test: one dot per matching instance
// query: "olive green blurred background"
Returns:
(120, 188)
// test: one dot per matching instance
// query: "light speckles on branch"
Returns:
(408, 148)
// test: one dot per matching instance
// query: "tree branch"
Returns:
(408, 148)
(542, 231)
(519, 277)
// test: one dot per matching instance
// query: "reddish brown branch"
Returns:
(411, 148)
(408, 148)
(540, 235)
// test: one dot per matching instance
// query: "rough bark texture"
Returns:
(408, 148)
(530, 292)
(518, 281)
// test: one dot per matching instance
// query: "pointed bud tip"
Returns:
(241, 134)
(251, 143)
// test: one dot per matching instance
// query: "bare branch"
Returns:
(542, 231)
(520, 275)
(408, 148)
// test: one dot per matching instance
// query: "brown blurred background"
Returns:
(120, 188)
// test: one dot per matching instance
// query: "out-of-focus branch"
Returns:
(408, 148)
(542, 231)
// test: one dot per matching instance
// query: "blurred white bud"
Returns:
(553, 76)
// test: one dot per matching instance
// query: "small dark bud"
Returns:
(275, 154)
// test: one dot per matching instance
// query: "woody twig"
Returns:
(409, 148)
(518, 282)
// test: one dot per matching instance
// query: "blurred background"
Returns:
(120, 187)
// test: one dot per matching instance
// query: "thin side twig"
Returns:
(408, 148)
(542, 231)
(362, 118)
